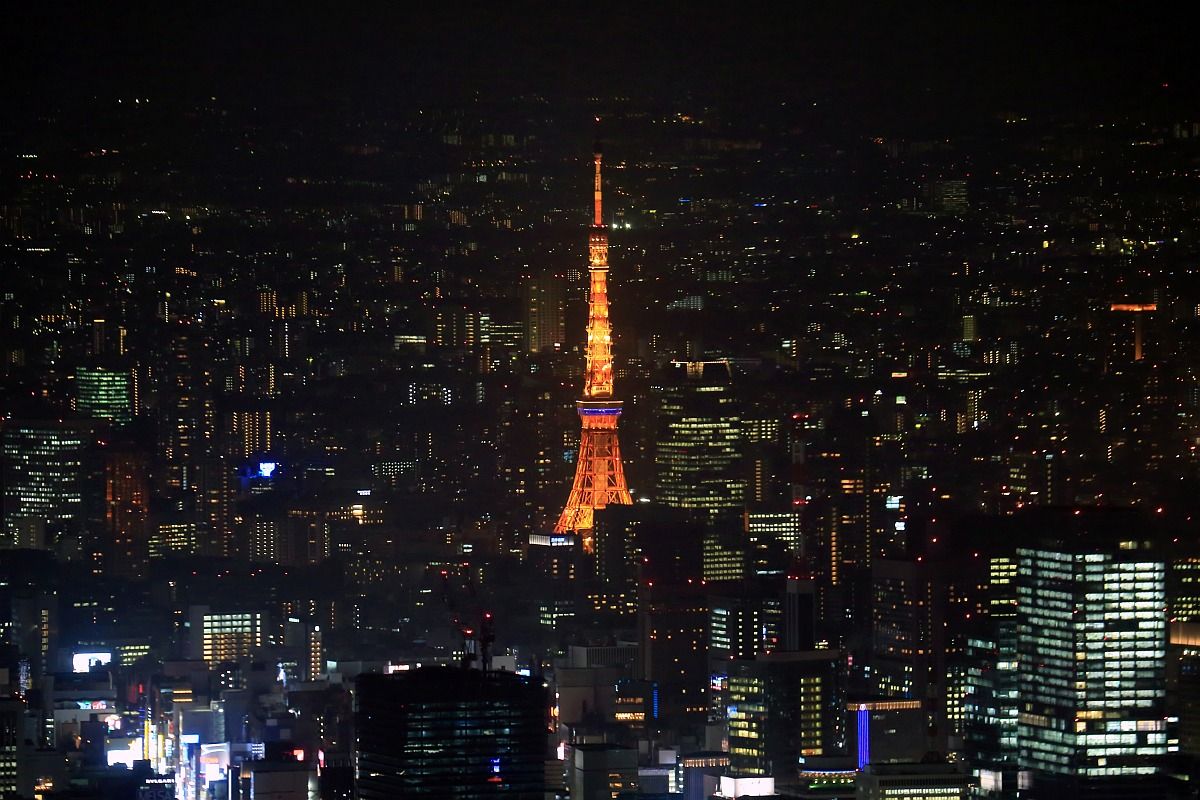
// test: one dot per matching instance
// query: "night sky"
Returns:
(896, 64)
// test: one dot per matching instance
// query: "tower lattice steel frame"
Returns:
(599, 475)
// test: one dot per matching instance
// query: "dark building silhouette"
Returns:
(443, 732)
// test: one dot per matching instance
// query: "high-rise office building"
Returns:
(783, 708)
(268, 301)
(218, 636)
(186, 406)
(1091, 642)
(176, 534)
(778, 526)
(215, 489)
(602, 771)
(306, 642)
(990, 705)
(1183, 586)
(126, 506)
(765, 615)
(44, 480)
(104, 393)
(1183, 684)
(927, 781)
(970, 328)
(908, 626)
(248, 432)
(672, 625)
(264, 538)
(444, 732)
(12, 722)
(618, 531)
(544, 304)
(672, 607)
(726, 555)
(459, 327)
(923, 609)
(29, 621)
(949, 195)
(887, 731)
(742, 626)
(699, 448)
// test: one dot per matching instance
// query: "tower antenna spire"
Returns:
(598, 219)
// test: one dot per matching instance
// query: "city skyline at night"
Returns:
(318, 325)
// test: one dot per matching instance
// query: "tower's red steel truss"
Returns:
(599, 475)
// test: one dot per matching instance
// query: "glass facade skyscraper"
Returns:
(1091, 647)
(104, 394)
(443, 732)
(43, 480)
(700, 449)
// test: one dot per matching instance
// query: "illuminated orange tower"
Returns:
(599, 476)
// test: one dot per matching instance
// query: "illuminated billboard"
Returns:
(83, 662)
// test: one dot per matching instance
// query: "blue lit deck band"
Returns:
(592, 408)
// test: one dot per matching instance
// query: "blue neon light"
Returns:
(266, 468)
(864, 736)
(600, 412)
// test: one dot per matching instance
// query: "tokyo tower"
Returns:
(599, 476)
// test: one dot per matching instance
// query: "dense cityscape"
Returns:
(454, 427)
